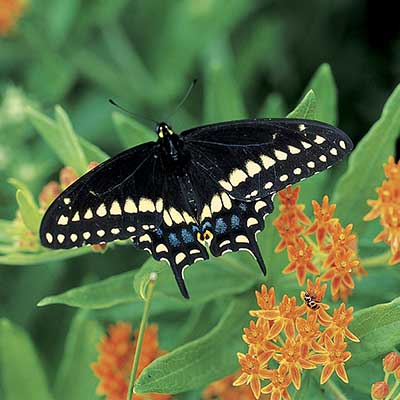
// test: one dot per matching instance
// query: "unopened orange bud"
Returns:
(48, 194)
(92, 165)
(67, 176)
(391, 361)
(379, 390)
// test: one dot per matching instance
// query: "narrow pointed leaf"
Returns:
(306, 108)
(273, 107)
(324, 87)
(111, 291)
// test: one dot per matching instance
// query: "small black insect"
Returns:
(211, 185)
(311, 301)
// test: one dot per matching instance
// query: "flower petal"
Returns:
(341, 373)
(326, 373)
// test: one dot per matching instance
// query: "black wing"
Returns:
(252, 159)
(120, 198)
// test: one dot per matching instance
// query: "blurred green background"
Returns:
(144, 54)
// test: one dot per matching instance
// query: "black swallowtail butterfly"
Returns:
(211, 185)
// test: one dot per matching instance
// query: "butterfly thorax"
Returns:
(171, 146)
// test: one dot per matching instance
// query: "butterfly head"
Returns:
(163, 130)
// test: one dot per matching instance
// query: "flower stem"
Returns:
(391, 393)
(335, 391)
(143, 323)
(376, 261)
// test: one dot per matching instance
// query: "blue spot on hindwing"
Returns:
(235, 221)
(173, 239)
(220, 226)
(159, 232)
(187, 236)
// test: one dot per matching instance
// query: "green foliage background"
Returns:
(253, 58)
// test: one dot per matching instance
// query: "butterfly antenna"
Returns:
(131, 113)
(192, 85)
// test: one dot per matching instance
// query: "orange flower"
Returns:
(115, 361)
(10, 11)
(333, 358)
(387, 206)
(289, 206)
(309, 331)
(300, 255)
(340, 239)
(224, 390)
(339, 323)
(391, 361)
(284, 316)
(323, 219)
(266, 298)
(295, 355)
(288, 229)
(253, 369)
(257, 334)
(280, 380)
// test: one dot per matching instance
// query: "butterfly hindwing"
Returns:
(116, 200)
(252, 159)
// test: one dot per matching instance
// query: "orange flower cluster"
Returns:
(387, 207)
(295, 337)
(334, 249)
(10, 11)
(114, 364)
(381, 390)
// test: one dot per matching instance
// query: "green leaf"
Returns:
(22, 375)
(211, 279)
(273, 107)
(92, 152)
(324, 87)
(45, 256)
(131, 132)
(75, 379)
(378, 328)
(117, 289)
(365, 171)
(29, 211)
(61, 137)
(306, 108)
(71, 141)
(222, 100)
(203, 360)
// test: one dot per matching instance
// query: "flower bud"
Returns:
(48, 194)
(92, 164)
(391, 361)
(67, 176)
(379, 390)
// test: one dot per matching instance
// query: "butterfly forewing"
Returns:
(252, 159)
(118, 199)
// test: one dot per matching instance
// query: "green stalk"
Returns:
(335, 391)
(143, 323)
(391, 393)
(376, 261)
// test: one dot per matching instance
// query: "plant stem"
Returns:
(143, 323)
(376, 261)
(391, 393)
(335, 391)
